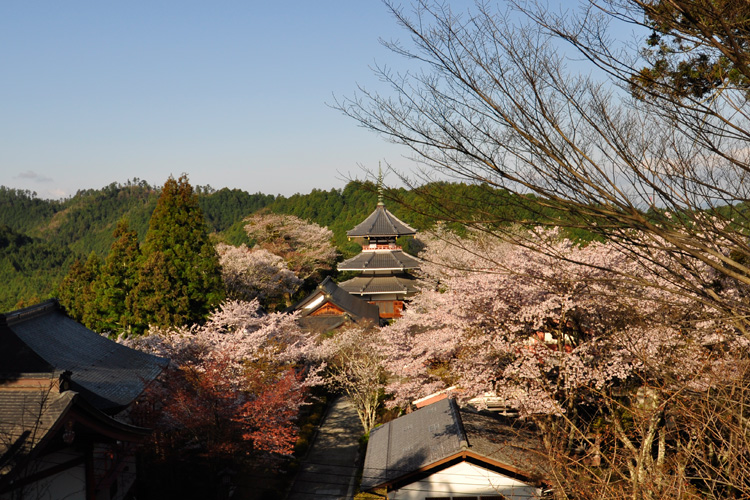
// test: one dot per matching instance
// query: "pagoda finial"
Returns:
(380, 186)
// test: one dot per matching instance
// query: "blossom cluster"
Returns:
(536, 329)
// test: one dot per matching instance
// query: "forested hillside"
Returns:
(40, 239)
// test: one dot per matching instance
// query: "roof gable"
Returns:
(328, 292)
(439, 436)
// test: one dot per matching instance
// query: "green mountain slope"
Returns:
(42, 238)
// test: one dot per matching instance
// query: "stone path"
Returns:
(329, 470)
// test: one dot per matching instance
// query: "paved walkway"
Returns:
(328, 471)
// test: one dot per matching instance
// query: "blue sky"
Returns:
(233, 93)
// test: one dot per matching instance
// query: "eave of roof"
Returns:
(379, 285)
(30, 418)
(380, 260)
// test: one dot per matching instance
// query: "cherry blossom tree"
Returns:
(305, 246)
(353, 366)
(255, 274)
(569, 343)
(231, 387)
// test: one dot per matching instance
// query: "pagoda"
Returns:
(384, 278)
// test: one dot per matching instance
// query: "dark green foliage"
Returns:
(76, 292)
(226, 206)
(30, 268)
(116, 281)
(22, 210)
(179, 279)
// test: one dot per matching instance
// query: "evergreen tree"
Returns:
(76, 291)
(179, 279)
(116, 281)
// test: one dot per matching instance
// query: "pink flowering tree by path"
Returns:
(350, 363)
(231, 388)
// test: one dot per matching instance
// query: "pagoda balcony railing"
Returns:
(372, 247)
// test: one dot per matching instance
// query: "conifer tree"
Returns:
(116, 281)
(179, 279)
(75, 292)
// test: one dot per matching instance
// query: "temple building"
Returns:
(384, 278)
(66, 395)
(329, 307)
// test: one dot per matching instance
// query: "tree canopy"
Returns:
(494, 101)
(179, 276)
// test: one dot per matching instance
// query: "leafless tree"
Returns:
(549, 103)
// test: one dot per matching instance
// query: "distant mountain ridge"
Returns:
(40, 239)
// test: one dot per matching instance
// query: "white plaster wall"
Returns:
(465, 479)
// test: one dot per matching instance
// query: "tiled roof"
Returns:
(381, 223)
(331, 292)
(108, 375)
(379, 260)
(371, 284)
(32, 414)
(26, 416)
(440, 430)
(513, 446)
(410, 442)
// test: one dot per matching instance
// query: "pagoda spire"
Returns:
(381, 203)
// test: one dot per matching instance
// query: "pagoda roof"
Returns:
(381, 223)
(108, 375)
(377, 284)
(380, 260)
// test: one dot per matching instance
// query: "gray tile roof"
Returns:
(26, 417)
(412, 441)
(440, 431)
(354, 306)
(372, 284)
(33, 413)
(108, 375)
(513, 446)
(380, 260)
(381, 223)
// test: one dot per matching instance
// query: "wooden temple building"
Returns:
(383, 283)
(383, 266)
(330, 307)
(65, 398)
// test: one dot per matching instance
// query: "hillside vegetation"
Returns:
(41, 239)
